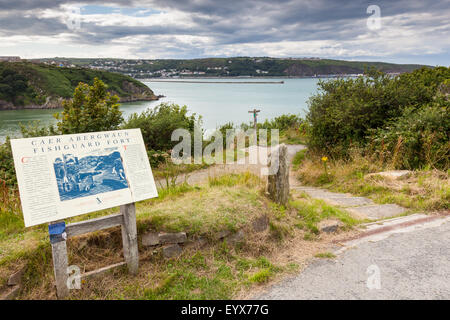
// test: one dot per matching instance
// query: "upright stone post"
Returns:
(129, 237)
(278, 178)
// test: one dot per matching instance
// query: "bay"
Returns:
(217, 101)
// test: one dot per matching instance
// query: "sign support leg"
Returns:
(59, 252)
(129, 237)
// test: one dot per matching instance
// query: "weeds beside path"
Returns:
(426, 190)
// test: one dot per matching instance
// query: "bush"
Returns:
(418, 138)
(7, 172)
(92, 109)
(345, 112)
(158, 124)
(282, 123)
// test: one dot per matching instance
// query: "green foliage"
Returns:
(158, 124)
(23, 83)
(345, 112)
(92, 109)
(261, 276)
(418, 138)
(311, 211)
(14, 86)
(7, 172)
(248, 66)
(298, 158)
(325, 255)
(283, 122)
(223, 130)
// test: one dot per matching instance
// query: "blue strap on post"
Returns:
(57, 232)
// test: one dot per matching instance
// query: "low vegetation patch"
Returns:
(403, 120)
(325, 255)
(218, 270)
(311, 211)
(422, 190)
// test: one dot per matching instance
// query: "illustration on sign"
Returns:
(92, 174)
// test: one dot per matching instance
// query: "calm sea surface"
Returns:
(217, 103)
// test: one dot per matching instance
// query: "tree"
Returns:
(157, 124)
(92, 108)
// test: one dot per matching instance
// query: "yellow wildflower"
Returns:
(324, 159)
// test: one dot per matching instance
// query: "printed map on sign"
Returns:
(69, 175)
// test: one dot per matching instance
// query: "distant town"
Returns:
(222, 67)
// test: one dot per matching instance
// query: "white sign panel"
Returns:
(64, 176)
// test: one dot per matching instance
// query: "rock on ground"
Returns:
(392, 174)
(172, 251)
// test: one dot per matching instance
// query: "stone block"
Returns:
(150, 239)
(375, 212)
(260, 224)
(177, 237)
(172, 251)
(329, 226)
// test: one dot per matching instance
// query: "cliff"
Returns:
(26, 85)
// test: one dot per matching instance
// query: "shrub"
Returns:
(92, 109)
(345, 112)
(282, 123)
(223, 130)
(158, 124)
(418, 138)
(7, 172)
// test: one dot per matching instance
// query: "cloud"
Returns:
(198, 28)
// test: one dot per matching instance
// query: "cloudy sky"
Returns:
(407, 31)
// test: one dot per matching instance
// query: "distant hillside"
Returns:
(234, 67)
(31, 85)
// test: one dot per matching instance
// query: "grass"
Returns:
(226, 203)
(325, 255)
(292, 136)
(424, 190)
(206, 210)
(311, 211)
(217, 270)
(298, 159)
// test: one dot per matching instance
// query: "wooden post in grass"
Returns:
(129, 237)
(60, 263)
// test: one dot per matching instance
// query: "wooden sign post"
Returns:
(255, 115)
(126, 219)
(68, 175)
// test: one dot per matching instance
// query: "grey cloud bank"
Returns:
(411, 31)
